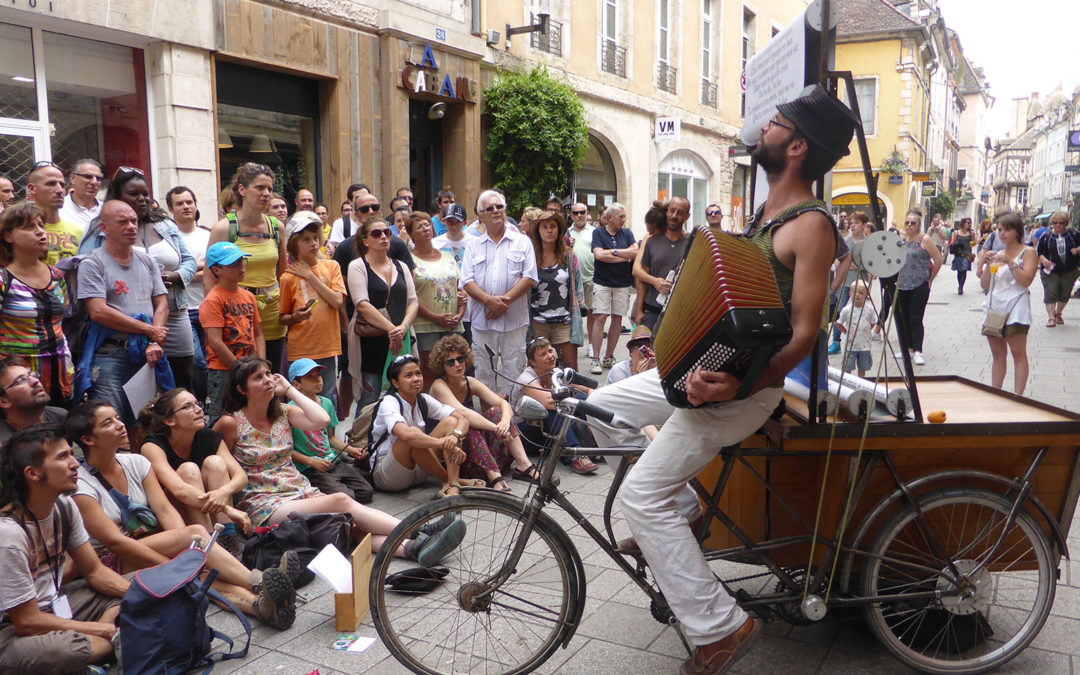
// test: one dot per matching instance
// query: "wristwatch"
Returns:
(459, 433)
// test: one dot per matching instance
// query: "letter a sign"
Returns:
(667, 129)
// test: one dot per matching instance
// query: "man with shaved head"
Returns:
(118, 283)
(45, 187)
(305, 201)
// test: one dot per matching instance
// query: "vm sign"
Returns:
(667, 129)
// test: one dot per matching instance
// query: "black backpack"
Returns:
(306, 534)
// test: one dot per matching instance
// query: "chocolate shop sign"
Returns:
(422, 76)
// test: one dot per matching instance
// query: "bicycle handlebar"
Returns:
(596, 411)
(571, 376)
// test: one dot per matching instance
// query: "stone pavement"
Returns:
(618, 635)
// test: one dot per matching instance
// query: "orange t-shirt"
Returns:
(236, 314)
(320, 336)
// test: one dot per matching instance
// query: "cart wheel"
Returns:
(959, 606)
(470, 622)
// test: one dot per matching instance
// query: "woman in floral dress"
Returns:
(436, 279)
(256, 427)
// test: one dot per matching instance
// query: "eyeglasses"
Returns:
(776, 123)
(89, 176)
(578, 213)
(494, 207)
(22, 379)
(369, 207)
(128, 170)
(715, 212)
(42, 164)
(380, 233)
(191, 406)
(405, 357)
(450, 363)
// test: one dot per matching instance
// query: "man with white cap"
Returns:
(795, 231)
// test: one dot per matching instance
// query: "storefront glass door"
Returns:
(19, 149)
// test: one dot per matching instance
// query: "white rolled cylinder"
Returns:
(889, 397)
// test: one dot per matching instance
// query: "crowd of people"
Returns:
(267, 329)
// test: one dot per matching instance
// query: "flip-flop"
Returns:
(1051, 323)
(445, 490)
(529, 474)
(1058, 319)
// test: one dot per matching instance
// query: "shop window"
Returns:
(594, 183)
(272, 119)
(684, 174)
(95, 96)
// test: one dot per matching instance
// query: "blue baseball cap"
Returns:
(302, 367)
(224, 253)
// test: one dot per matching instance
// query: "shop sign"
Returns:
(896, 180)
(929, 188)
(668, 129)
(919, 176)
(423, 77)
(41, 5)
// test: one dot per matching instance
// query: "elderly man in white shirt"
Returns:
(81, 205)
(497, 271)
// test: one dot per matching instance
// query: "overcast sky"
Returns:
(1024, 47)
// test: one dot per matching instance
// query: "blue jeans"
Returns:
(199, 370)
(111, 370)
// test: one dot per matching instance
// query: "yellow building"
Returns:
(891, 58)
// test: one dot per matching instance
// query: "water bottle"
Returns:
(661, 298)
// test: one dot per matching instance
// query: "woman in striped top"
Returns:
(33, 299)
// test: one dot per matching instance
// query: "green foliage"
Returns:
(944, 204)
(894, 164)
(1076, 210)
(537, 136)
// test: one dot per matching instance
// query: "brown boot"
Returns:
(718, 657)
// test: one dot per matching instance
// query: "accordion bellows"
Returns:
(724, 314)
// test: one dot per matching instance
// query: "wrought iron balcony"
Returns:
(613, 58)
(708, 93)
(551, 42)
(666, 76)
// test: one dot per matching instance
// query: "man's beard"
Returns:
(769, 157)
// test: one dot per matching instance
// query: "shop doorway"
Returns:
(19, 149)
(594, 184)
(425, 152)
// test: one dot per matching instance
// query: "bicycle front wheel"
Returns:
(474, 621)
(978, 606)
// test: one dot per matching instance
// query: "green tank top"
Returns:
(762, 238)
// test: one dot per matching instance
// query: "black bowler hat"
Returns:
(822, 119)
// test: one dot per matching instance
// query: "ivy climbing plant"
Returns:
(537, 136)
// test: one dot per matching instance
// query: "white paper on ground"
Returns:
(333, 568)
(141, 388)
(361, 644)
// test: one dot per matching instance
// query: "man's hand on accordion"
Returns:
(706, 386)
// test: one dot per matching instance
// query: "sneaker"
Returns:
(436, 526)
(917, 359)
(430, 549)
(291, 566)
(276, 602)
(589, 352)
(595, 367)
(834, 348)
(609, 361)
(719, 656)
(583, 466)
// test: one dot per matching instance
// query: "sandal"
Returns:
(529, 474)
(1058, 319)
(498, 480)
(445, 490)
(1050, 323)
(471, 483)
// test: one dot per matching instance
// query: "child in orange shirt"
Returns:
(229, 315)
(312, 291)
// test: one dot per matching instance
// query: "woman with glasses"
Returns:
(921, 265)
(386, 305)
(436, 280)
(262, 238)
(553, 299)
(1059, 266)
(133, 525)
(164, 243)
(493, 443)
(33, 300)
(193, 465)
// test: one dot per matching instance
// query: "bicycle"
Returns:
(516, 588)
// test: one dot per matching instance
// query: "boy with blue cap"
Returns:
(325, 459)
(230, 317)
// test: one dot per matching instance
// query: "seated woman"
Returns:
(132, 525)
(256, 427)
(535, 382)
(493, 442)
(414, 436)
(193, 465)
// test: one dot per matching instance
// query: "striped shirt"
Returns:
(496, 268)
(30, 325)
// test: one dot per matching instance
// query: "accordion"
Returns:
(724, 313)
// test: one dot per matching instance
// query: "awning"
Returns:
(1042, 216)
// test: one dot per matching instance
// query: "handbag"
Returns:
(136, 520)
(994, 323)
(307, 534)
(365, 329)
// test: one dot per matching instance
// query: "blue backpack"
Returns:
(162, 620)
